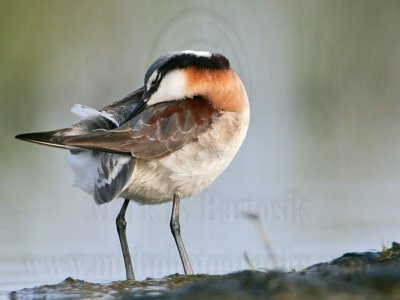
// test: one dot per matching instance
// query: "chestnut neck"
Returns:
(223, 88)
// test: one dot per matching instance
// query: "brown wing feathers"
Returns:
(157, 131)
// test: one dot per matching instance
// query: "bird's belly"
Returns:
(190, 169)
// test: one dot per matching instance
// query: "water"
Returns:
(319, 165)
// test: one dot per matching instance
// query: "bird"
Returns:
(166, 141)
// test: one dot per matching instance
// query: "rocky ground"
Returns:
(366, 275)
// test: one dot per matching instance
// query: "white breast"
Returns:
(193, 167)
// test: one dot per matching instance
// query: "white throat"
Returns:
(172, 87)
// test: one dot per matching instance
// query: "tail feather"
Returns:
(46, 138)
(101, 174)
(91, 120)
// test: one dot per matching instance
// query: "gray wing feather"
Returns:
(114, 174)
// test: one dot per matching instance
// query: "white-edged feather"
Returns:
(119, 162)
(86, 112)
(96, 170)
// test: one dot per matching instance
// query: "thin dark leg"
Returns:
(176, 232)
(121, 228)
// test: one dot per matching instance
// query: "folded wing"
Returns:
(155, 132)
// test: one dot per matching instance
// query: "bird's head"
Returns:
(185, 74)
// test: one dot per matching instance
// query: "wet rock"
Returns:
(367, 275)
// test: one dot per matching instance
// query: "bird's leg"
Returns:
(176, 232)
(121, 228)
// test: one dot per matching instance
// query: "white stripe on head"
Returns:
(197, 53)
(151, 79)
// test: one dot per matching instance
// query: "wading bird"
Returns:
(166, 141)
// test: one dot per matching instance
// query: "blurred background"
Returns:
(320, 164)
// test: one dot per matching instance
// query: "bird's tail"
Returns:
(47, 138)
(91, 120)
(103, 175)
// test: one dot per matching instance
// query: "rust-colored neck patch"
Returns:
(223, 88)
